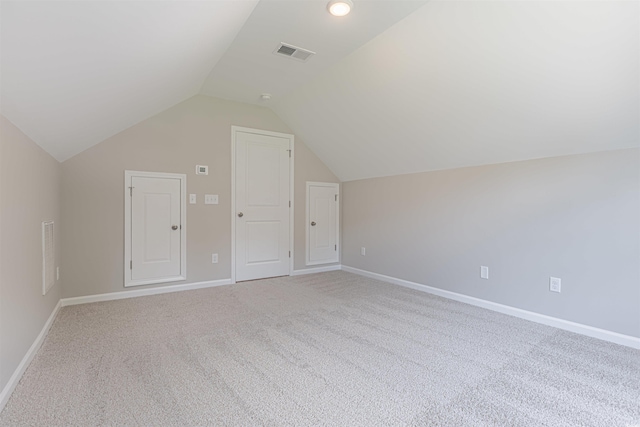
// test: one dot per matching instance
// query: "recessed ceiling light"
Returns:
(340, 7)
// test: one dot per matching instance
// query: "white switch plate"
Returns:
(555, 284)
(192, 199)
(214, 258)
(363, 251)
(210, 199)
(484, 272)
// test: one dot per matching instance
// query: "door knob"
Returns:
(313, 223)
(174, 227)
(240, 214)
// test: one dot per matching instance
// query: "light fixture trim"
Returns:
(340, 7)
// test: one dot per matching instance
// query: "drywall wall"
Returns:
(29, 194)
(197, 131)
(574, 217)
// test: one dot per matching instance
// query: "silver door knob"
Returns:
(174, 227)
(240, 214)
(313, 223)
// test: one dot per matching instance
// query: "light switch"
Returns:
(192, 199)
(210, 199)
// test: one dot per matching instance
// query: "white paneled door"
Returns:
(156, 229)
(322, 223)
(262, 205)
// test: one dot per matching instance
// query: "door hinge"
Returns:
(289, 254)
(335, 247)
(130, 191)
(289, 203)
(336, 197)
(131, 265)
(289, 153)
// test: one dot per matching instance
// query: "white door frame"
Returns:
(234, 131)
(127, 227)
(336, 187)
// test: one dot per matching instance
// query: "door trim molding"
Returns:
(335, 186)
(128, 174)
(234, 131)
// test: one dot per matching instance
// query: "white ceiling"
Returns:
(77, 72)
(249, 67)
(396, 87)
(468, 83)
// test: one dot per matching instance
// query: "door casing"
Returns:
(336, 188)
(234, 132)
(128, 175)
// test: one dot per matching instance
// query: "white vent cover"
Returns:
(293, 52)
(48, 257)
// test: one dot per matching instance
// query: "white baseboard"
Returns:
(26, 360)
(143, 292)
(316, 270)
(566, 325)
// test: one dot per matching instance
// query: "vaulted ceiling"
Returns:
(395, 87)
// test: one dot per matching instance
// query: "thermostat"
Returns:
(202, 170)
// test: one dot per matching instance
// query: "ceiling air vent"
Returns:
(293, 52)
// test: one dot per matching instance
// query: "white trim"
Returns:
(234, 131)
(26, 360)
(128, 175)
(307, 247)
(46, 287)
(64, 302)
(155, 281)
(566, 325)
(292, 199)
(316, 270)
(143, 292)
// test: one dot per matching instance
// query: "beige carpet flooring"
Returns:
(330, 349)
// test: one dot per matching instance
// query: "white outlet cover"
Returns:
(193, 199)
(555, 284)
(214, 258)
(363, 251)
(484, 272)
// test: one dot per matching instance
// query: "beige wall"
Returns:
(197, 131)
(29, 194)
(574, 217)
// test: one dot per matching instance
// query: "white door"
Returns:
(156, 229)
(262, 211)
(322, 223)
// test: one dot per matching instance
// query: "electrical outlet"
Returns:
(363, 251)
(214, 258)
(193, 199)
(57, 273)
(484, 272)
(555, 284)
